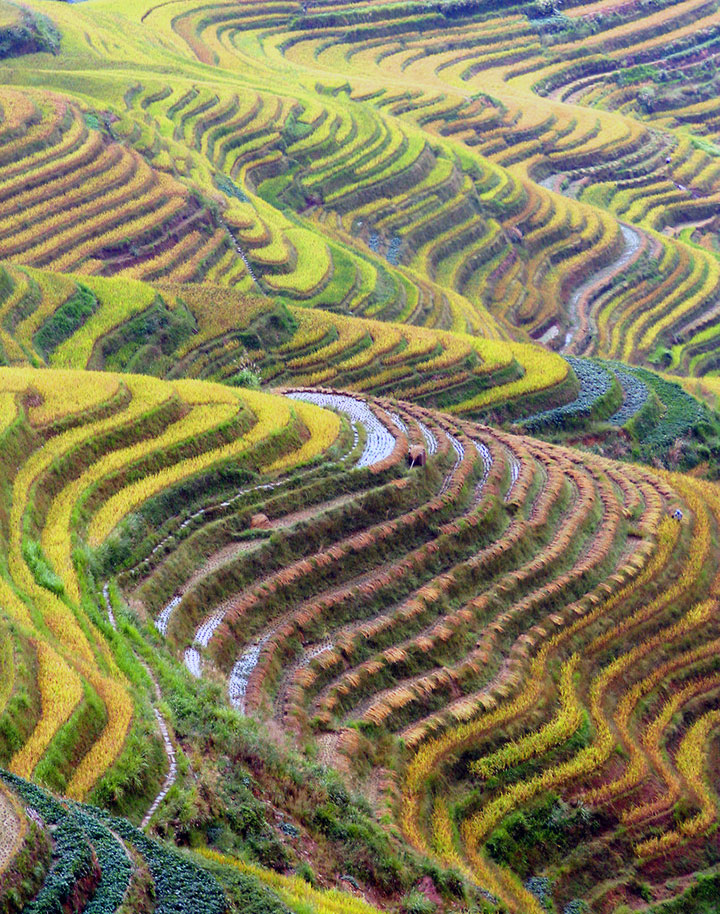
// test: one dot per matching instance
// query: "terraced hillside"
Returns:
(503, 626)
(354, 601)
(96, 447)
(458, 166)
(102, 863)
(319, 325)
(207, 331)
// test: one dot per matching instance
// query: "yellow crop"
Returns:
(324, 427)
(271, 415)
(119, 299)
(560, 728)
(295, 892)
(57, 537)
(8, 410)
(542, 369)
(60, 692)
(104, 751)
(313, 264)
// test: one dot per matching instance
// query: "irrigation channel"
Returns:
(634, 241)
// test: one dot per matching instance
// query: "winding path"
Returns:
(379, 445)
(242, 671)
(108, 606)
(634, 243)
(171, 776)
(487, 459)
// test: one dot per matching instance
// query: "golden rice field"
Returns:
(359, 446)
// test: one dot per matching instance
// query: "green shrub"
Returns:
(41, 568)
(245, 378)
(32, 33)
(66, 321)
(417, 903)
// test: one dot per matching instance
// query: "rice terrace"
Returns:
(359, 457)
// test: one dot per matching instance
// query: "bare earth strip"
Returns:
(9, 830)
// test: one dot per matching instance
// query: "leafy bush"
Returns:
(596, 390)
(181, 887)
(635, 395)
(529, 839)
(245, 378)
(701, 898)
(639, 73)
(115, 866)
(230, 188)
(73, 855)
(29, 35)
(540, 887)
(684, 419)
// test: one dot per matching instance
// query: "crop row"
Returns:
(93, 861)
